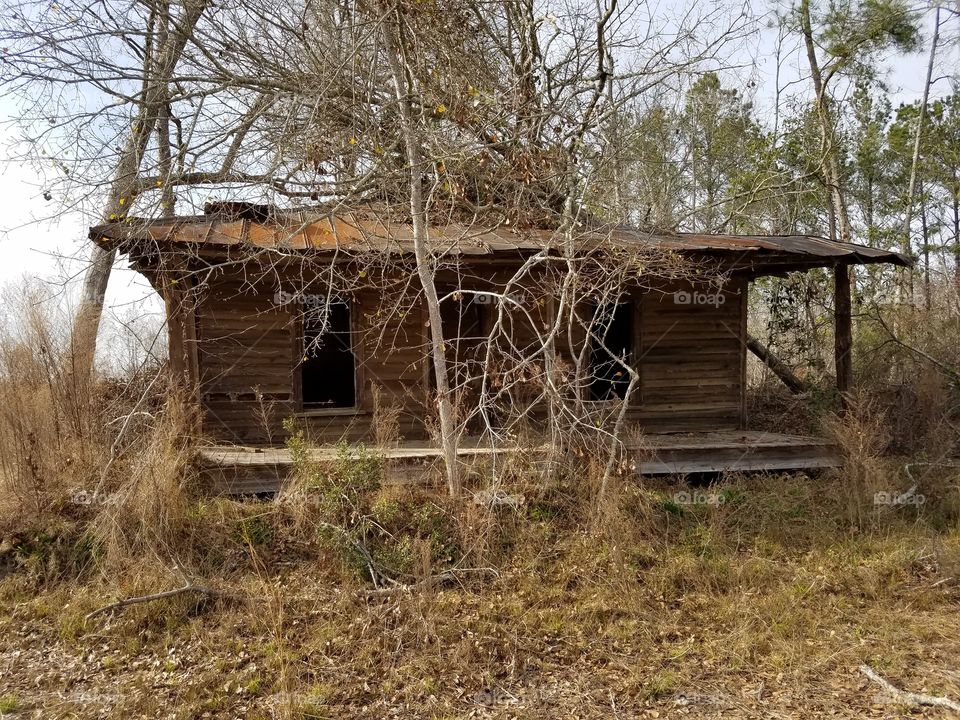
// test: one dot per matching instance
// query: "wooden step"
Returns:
(743, 451)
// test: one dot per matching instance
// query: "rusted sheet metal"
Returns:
(357, 234)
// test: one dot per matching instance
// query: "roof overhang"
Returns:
(353, 234)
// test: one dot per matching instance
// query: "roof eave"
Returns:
(128, 237)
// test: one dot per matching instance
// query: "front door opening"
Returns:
(462, 322)
(328, 369)
(613, 327)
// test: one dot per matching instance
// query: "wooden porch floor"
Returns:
(737, 451)
(245, 470)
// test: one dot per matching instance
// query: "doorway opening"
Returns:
(328, 369)
(463, 323)
(613, 327)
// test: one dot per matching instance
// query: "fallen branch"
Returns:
(447, 576)
(120, 604)
(378, 574)
(497, 498)
(909, 698)
(778, 366)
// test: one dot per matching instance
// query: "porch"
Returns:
(246, 470)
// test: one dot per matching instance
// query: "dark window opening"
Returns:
(462, 322)
(613, 328)
(328, 369)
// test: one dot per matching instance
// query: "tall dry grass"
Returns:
(94, 471)
(96, 474)
(909, 361)
(51, 429)
(97, 480)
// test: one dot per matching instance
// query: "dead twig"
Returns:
(909, 698)
(446, 577)
(189, 588)
(948, 370)
(378, 574)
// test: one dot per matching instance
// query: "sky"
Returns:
(53, 252)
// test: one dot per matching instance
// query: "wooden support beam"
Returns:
(779, 368)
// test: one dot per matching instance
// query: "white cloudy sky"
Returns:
(53, 251)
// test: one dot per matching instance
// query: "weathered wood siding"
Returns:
(390, 344)
(246, 354)
(249, 349)
(692, 358)
(688, 346)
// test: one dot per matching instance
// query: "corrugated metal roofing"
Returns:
(301, 230)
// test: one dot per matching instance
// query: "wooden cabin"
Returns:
(240, 282)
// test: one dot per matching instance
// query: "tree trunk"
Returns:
(159, 64)
(423, 255)
(915, 160)
(840, 220)
(843, 339)
(925, 234)
(776, 365)
(956, 231)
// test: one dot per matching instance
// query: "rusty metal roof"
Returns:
(366, 232)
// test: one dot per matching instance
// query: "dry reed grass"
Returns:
(636, 595)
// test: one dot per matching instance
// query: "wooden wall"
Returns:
(246, 350)
(248, 346)
(692, 358)
(689, 349)
(390, 346)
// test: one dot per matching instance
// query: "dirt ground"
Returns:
(764, 605)
(741, 640)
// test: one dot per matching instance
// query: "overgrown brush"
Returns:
(97, 479)
(52, 429)
(391, 534)
(97, 486)
(907, 365)
(93, 471)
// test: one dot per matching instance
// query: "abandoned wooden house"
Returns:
(238, 296)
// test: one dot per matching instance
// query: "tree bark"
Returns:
(925, 234)
(423, 255)
(843, 333)
(956, 231)
(915, 160)
(843, 336)
(776, 365)
(159, 64)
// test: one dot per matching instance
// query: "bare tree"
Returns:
(915, 159)
(166, 36)
(425, 263)
(491, 114)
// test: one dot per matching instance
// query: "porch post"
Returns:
(843, 345)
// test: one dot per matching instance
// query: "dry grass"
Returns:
(95, 474)
(773, 587)
(760, 602)
(48, 435)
